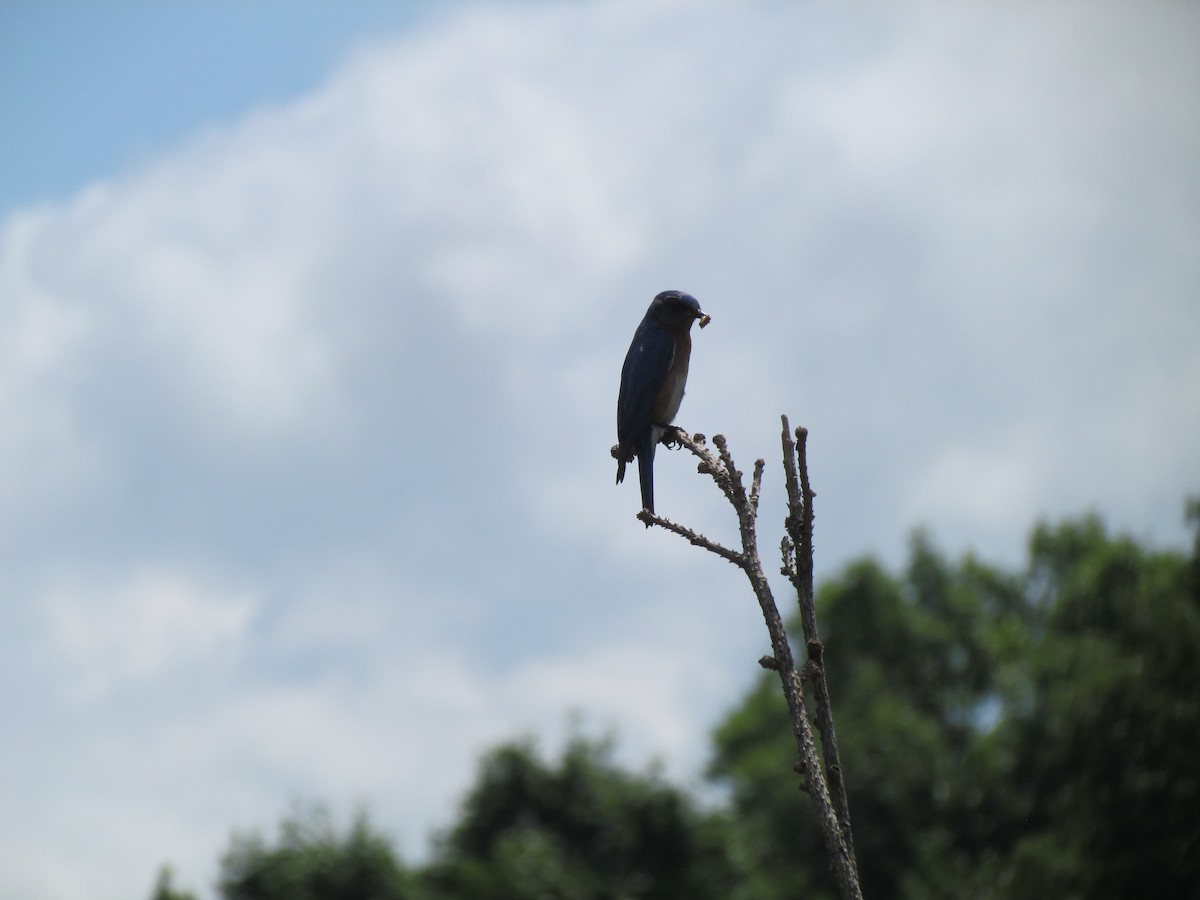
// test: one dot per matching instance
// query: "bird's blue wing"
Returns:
(642, 377)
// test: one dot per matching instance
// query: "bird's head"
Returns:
(677, 310)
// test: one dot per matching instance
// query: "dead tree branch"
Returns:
(798, 567)
(825, 786)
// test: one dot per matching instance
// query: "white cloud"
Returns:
(305, 472)
(964, 485)
(102, 637)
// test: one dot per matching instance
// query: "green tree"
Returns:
(164, 888)
(914, 665)
(1109, 745)
(1003, 734)
(312, 861)
(582, 828)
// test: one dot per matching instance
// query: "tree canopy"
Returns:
(313, 861)
(1003, 734)
(581, 828)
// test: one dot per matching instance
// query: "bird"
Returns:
(652, 382)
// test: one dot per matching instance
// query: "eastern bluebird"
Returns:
(652, 380)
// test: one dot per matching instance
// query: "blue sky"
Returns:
(89, 89)
(311, 320)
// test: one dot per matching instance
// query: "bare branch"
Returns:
(796, 548)
(756, 485)
(693, 537)
(709, 465)
(738, 495)
(797, 566)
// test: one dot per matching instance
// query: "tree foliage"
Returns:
(164, 888)
(1111, 740)
(1004, 734)
(582, 828)
(312, 861)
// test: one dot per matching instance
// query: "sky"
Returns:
(311, 324)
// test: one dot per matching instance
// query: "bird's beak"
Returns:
(704, 318)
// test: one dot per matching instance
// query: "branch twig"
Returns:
(798, 566)
(832, 811)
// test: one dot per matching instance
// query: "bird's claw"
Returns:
(671, 437)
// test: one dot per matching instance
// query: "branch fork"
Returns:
(824, 785)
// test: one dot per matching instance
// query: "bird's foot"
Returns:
(670, 437)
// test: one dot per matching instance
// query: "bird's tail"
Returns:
(646, 473)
